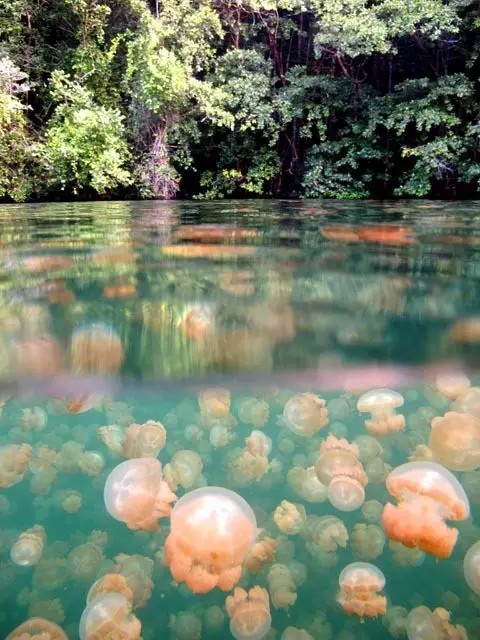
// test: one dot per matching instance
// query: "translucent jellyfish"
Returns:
(381, 403)
(259, 444)
(406, 556)
(372, 511)
(212, 530)
(186, 625)
(249, 613)
(360, 587)
(219, 436)
(262, 552)
(34, 419)
(214, 403)
(84, 561)
(14, 459)
(109, 616)
(289, 517)
(136, 494)
(28, 548)
(254, 412)
(281, 586)
(427, 494)
(245, 467)
(50, 609)
(452, 385)
(144, 440)
(305, 414)
(306, 484)
(468, 402)
(110, 583)
(455, 441)
(184, 469)
(395, 621)
(338, 467)
(293, 633)
(37, 629)
(325, 532)
(367, 541)
(50, 574)
(423, 624)
(471, 567)
(138, 572)
(114, 437)
(96, 349)
(91, 463)
(214, 619)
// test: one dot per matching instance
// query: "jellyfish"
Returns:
(305, 414)
(471, 567)
(214, 403)
(325, 532)
(367, 540)
(214, 619)
(28, 548)
(455, 441)
(381, 403)
(338, 467)
(395, 621)
(406, 556)
(281, 586)
(109, 615)
(136, 494)
(306, 484)
(113, 436)
(259, 444)
(468, 402)
(212, 531)
(14, 459)
(360, 587)
(49, 609)
(372, 511)
(293, 633)
(423, 624)
(184, 469)
(219, 436)
(246, 467)
(143, 440)
(427, 494)
(249, 613)
(96, 349)
(289, 517)
(110, 583)
(37, 629)
(254, 412)
(50, 574)
(186, 625)
(33, 419)
(91, 463)
(452, 385)
(43, 463)
(262, 552)
(84, 561)
(138, 572)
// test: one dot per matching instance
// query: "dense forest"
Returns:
(239, 98)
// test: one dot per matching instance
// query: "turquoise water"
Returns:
(120, 313)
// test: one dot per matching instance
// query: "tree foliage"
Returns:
(231, 98)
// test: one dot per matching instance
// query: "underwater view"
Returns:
(241, 419)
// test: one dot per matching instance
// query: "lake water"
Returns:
(211, 319)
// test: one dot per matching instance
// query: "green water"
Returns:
(264, 299)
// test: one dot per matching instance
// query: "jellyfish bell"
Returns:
(249, 613)
(423, 624)
(427, 495)
(471, 568)
(360, 587)
(452, 385)
(37, 628)
(28, 548)
(335, 453)
(468, 402)
(381, 403)
(455, 441)
(109, 615)
(136, 494)
(346, 490)
(305, 414)
(212, 530)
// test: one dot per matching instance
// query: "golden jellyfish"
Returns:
(144, 440)
(214, 619)
(306, 484)
(281, 586)
(468, 402)
(452, 385)
(50, 574)
(96, 349)
(34, 419)
(113, 436)
(289, 517)
(28, 548)
(14, 460)
(91, 463)
(339, 468)
(219, 436)
(325, 532)
(360, 587)
(305, 414)
(214, 403)
(293, 633)
(423, 624)
(246, 468)
(406, 556)
(110, 583)
(136, 494)
(455, 441)
(381, 403)
(395, 621)
(259, 444)
(84, 561)
(185, 625)
(249, 613)
(427, 495)
(109, 616)
(471, 568)
(367, 541)
(184, 469)
(138, 572)
(372, 511)
(50, 609)
(212, 531)
(254, 412)
(37, 629)
(262, 552)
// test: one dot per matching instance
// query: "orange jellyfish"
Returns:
(37, 629)
(468, 402)
(455, 441)
(381, 403)
(471, 567)
(427, 495)
(290, 517)
(14, 459)
(360, 586)
(136, 494)
(96, 349)
(144, 440)
(262, 552)
(423, 624)
(305, 414)
(212, 530)
(28, 548)
(452, 385)
(214, 403)
(249, 613)
(339, 468)
(109, 616)
(110, 583)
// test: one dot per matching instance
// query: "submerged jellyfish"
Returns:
(212, 530)
(339, 468)
(325, 532)
(452, 385)
(262, 552)
(305, 414)
(427, 494)
(468, 402)
(360, 586)
(423, 624)
(368, 541)
(135, 493)
(183, 470)
(249, 613)
(455, 441)
(381, 403)
(471, 567)
(14, 459)
(144, 440)
(37, 628)
(96, 349)
(289, 517)
(214, 403)
(110, 583)
(281, 586)
(306, 484)
(109, 616)
(28, 548)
